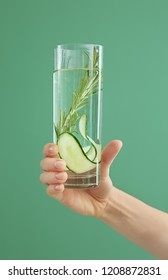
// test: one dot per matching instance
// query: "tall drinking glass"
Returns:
(77, 111)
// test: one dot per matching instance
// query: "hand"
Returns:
(89, 201)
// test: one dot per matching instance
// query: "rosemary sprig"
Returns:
(87, 87)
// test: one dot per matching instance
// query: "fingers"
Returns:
(53, 164)
(50, 150)
(108, 155)
(56, 191)
(54, 168)
(49, 178)
(110, 151)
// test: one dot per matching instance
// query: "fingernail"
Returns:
(51, 149)
(59, 176)
(121, 143)
(57, 187)
(59, 165)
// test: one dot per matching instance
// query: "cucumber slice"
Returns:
(71, 151)
(86, 149)
(91, 154)
(98, 150)
(82, 126)
(97, 147)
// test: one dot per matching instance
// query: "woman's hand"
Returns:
(142, 224)
(89, 201)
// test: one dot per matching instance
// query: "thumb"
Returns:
(108, 155)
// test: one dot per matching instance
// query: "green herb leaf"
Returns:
(88, 86)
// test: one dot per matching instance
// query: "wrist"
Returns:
(111, 207)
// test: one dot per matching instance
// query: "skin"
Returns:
(137, 221)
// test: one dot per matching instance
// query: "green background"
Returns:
(135, 39)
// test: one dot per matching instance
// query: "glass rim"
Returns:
(77, 45)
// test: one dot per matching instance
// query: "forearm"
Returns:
(140, 223)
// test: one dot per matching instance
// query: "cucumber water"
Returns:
(77, 127)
